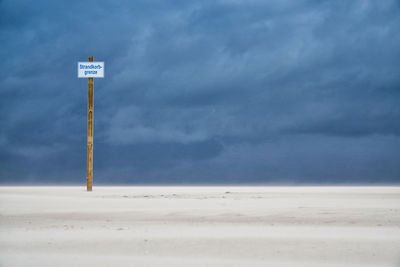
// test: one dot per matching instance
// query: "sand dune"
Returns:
(200, 226)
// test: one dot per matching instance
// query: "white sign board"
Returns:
(90, 69)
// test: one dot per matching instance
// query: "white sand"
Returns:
(200, 226)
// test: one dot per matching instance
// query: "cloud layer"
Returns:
(213, 92)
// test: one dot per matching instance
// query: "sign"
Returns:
(90, 69)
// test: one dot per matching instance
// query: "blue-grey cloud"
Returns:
(202, 92)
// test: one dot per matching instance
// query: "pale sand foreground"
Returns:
(200, 226)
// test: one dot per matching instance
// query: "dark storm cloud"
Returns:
(222, 91)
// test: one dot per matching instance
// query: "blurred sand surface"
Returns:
(200, 226)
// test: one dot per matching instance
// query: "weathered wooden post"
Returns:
(90, 70)
(89, 175)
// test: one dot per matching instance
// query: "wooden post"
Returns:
(89, 175)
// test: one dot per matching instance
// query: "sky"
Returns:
(201, 92)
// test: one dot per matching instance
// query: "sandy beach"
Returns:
(199, 226)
